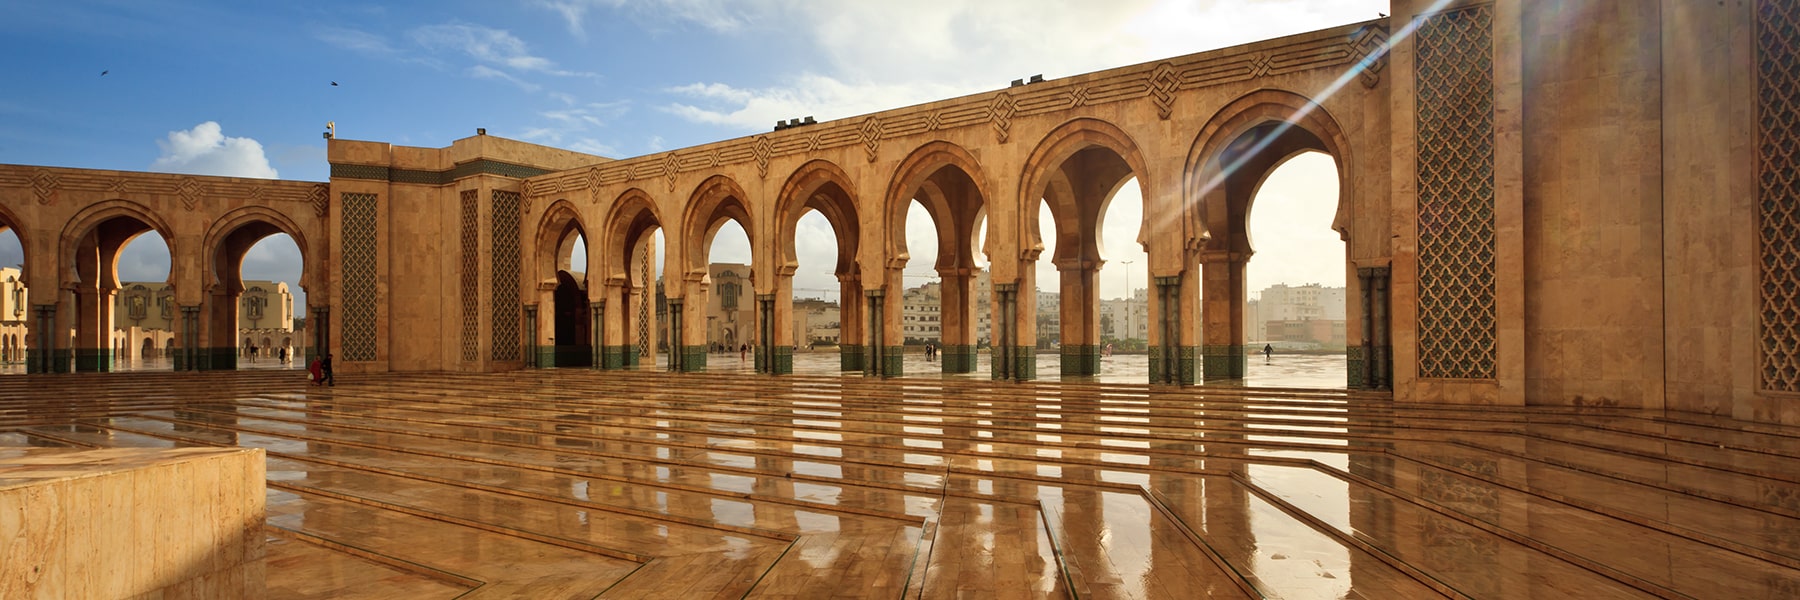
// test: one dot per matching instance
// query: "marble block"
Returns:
(132, 522)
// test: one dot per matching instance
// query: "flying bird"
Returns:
(334, 84)
(103, 73)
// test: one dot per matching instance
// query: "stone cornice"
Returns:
(1362, 46)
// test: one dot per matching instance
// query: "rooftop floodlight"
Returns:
(1039, 78)
(780, 124)
(810, 121)
(1018, 82)
(480, 131)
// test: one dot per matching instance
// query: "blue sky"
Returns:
(244, 88)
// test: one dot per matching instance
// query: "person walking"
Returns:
(325, 367)
(1268, 351)
(317, 370)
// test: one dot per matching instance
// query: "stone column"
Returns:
(1170, 362)
(1361, 355)
(1024, 325)
(45, 357)
(1080, 334)
(597, 334)
(1223, 298)
(221, 350)
(957, 321)
(93, 330)
(850, 324)
(678, 354)
(321, 330)
(888, 334)
(875, 350)
(1383, 348)
(193, 351)
(533, 360)
(778, 336)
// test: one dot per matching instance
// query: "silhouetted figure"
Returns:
(1268, 351)
(326, 368)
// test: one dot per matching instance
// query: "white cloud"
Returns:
(809, 94)
(716, 15)
(204, 150)
(492, 47)
(486, 72)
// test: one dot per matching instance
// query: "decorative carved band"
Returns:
(1362, 49)
(480, 166)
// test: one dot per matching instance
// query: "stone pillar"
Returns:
(876, 359)
(1383, 349)
(532, 348)
(678, 354)
(192, 351)
(321, 329)
(1361, 355)
(1223, 298)
(957, 319)
(850, 324)
(598, 328)
(1170, 361)
(778, 335)
(1005, 363)
(220, 352)
(1080, 293)
(1024, 325)
(46, 356)
(93, 329)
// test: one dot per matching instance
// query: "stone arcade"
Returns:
(1536, 211)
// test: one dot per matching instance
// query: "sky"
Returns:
(245, 89)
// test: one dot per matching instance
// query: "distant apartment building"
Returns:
(1310, 315)
(1126, 318)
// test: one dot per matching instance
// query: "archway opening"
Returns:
(921, 298)
(731, 296)
(572, 326)
(1296, 312)
(1089, 224)
(14, 301)
(818, 293)
(269, 308)
(122, 298)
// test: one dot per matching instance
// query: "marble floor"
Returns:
(575, 483)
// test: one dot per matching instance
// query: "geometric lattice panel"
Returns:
(1778, 196)
(359, 277)
(471, 271)
(1455, 105)
(504, 276)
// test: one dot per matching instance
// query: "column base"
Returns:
(893, 361)
(850, 358)
(1355, 378)
(219, 359)
(958, 358)
(612, 357)
(1223, 362)
(1024, 364)
(60, 361)
(1080, 360)
(693, 359)
(783, 361)
(94, 360)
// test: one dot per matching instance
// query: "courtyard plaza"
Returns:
(573, 483)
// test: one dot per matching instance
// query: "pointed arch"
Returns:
(634, 214)
(244, 227)
(823, 186)
(556, 233)
(715, 200)
(935, 173)
(1096, 147)
(1254, 134)
(100, 213)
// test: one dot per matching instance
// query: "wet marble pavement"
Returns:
(574, 483)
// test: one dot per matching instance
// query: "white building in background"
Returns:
(1126, 319)
(13, 315)
(1282, 313)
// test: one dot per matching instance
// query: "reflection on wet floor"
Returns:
(574, 483)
